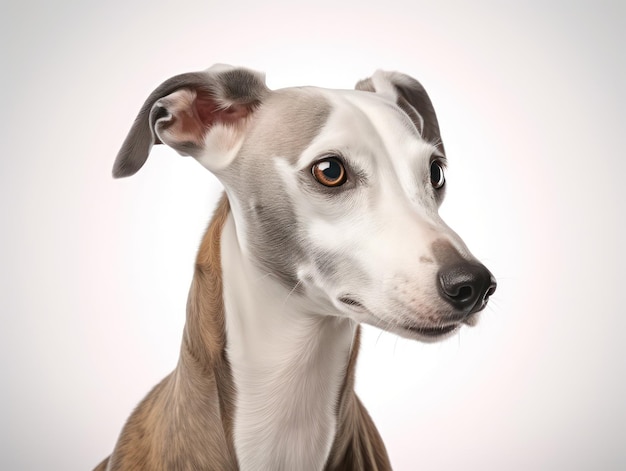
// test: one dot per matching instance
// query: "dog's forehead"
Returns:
(297, 126)
(374, 135)
(375, 121)
(383, 113)
(293, 118)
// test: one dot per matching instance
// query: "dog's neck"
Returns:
(288, 366)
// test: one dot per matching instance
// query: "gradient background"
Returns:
(95, 271)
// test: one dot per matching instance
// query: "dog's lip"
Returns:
(432, 331)
(352, 303)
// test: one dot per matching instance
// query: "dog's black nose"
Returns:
(467, 286)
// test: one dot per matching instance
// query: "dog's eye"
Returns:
(437, 177)
(329, 172)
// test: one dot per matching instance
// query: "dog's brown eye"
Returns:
(329, 172)
(437, 177)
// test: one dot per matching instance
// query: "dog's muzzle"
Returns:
(467, 286)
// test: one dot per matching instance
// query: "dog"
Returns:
(329, 219)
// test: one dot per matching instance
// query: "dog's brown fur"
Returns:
(186, 421)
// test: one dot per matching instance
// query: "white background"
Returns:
(95, 271)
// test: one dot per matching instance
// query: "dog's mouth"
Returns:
(432, 332)
(429, 332)
(352, 303)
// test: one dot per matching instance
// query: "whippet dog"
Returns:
(329, 219)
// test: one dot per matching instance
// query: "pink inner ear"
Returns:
(210, 113)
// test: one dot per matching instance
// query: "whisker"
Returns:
(262, 277)
(380, 333)
(291, 292)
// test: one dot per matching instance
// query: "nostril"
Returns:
(463, 292)
(492, 287)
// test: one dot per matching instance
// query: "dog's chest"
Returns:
(285, 416)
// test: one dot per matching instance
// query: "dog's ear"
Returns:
(411, 97)
(201, 114)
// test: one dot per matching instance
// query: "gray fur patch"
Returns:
(445, 253)
(285, 125)
(340, 268)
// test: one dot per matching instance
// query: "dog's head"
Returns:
(335, 193)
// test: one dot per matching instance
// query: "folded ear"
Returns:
(411, 97)
(202, 114)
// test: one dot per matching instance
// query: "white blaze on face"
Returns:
(378, 228)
